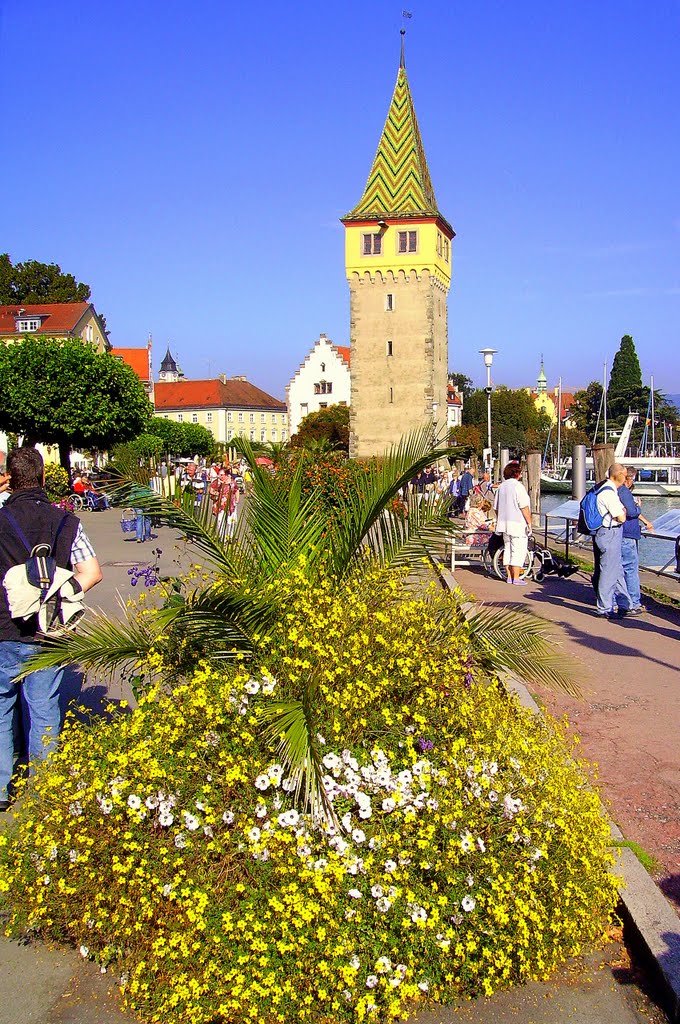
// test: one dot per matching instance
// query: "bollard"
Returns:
(534, 485)
(505, 458)
(578, 471)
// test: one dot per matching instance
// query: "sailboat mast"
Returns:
(559, 420)
(604, 399)
(651, 387)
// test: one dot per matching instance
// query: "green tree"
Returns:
(65, 393)
(469, 437)
(33, 281)
(626, 375)
(586, 408)
(330, 425)
(182, 439)
(513, 413)
(463, 383)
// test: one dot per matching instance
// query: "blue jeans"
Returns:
(608, 578)
(631, 572)
(142, 525)
(41, 696)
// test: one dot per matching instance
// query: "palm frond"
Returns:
(407, 537)
(513, 640)
(104, 643)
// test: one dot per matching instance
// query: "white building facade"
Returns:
(322, 380)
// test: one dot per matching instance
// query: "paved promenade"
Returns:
(39, 985)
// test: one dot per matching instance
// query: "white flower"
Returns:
(52, 855)
(372, 980)
(167, 889)
(511, 806)
(288, 818)
(212, 738)
(332, 762)
(493, 796)
(383, 964)
(481, 845)
(377, 891)
(320, 864)
(268, 685)
(75, 808)
(470, 880)
(134, 802)
(537, 854)
(404, 860)
(424, 986)
(347, 995)
(252, 686)
(390, 866)
(468, 903)
(275, 773)
(346, 822)
(190, 821)
(200, 805)
(180, 840)
(105, 805)
(288, 785)
(418, 914)
(207, 831)
(383, 904)
(73, 856)
(355, 894)
(254, 835)
(467, 843)
(85, 951)
(395, 981)
(388, 804)
(151, 802)
(261, 810)
(355, 963)
(365, 812)
(262, 782)
(46, 880)
(321, 739)
(228, 817)
(166, 818)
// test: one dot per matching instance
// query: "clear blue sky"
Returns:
(190, 162)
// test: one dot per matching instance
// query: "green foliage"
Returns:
(513, 414)
(56, 481)
(459, 850)
(182, 439)
(626, 375)
(33, 281)
(146, 446)
(64, 392)
(586, 407)
(469, 437)
(327, 425)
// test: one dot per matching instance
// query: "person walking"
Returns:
(39, 521)
(465, 485)
(608, 580)
(513, 520)
(631, 533)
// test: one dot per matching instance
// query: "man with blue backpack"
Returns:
(603, 516)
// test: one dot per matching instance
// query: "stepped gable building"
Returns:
(229, 407)
(398, 265)
(53, 320)
(323, 379)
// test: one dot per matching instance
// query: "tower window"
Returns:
(389, 302)
(440, 244)
(391, 395)
(372, 244)
(407, 241)
(446, 249)
(389, 348)
(324, 387)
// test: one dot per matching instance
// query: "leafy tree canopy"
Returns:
(330, 425)
(626, 375)
(182, 439)
(65, 393)
(463, 383)
(513, 416)
(586, 407)
(33, 281)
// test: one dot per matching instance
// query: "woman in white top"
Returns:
(513, 520)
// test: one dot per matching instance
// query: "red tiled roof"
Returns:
(213, 394)
(137, 358)
(453, 397)
(60, 317)
(344, 351)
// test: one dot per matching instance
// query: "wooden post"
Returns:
(603, 458)
(473, 467)
(534, 488)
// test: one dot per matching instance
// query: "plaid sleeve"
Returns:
(81, 549)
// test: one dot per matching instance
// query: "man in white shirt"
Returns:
(608, 577)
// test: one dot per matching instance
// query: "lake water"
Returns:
(652, 552)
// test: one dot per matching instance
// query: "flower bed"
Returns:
(459, 849)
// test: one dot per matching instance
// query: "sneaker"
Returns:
(5, 805)
(640, 610)
(519, 583)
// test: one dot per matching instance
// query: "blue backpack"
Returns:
(589, 517)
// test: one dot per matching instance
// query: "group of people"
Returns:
(616, 576)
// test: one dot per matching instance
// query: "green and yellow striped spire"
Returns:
(399, 184)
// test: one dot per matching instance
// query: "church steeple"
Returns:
(542, 381)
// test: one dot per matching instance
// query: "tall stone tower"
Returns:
(398, 264)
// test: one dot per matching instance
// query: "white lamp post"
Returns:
(488, 354)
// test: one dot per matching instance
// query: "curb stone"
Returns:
(653, 920)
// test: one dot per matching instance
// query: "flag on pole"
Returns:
(406, 14)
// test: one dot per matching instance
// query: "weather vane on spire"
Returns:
(405, 15)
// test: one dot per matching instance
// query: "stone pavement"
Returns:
(40, 985)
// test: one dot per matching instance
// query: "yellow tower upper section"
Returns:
(396, 225)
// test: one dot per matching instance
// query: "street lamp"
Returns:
(488, 354)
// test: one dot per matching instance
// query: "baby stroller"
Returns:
(548, 563)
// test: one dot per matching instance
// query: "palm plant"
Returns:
(281, 527)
